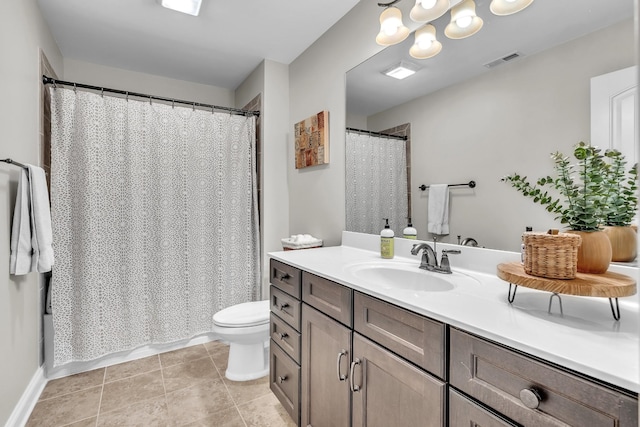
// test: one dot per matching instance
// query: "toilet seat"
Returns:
(243, 315)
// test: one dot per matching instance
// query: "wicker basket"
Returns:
(551, 256)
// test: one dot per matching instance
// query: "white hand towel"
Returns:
(42, 236)
(438, 210)
(20, 259)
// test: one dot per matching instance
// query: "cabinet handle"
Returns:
(530, 397)
(283, 335)
(340, 376)
(285, 276)
(283, 306)
(354, 388)
(282, 379)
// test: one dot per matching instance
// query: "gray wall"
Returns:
(22, 34)
(508, 120)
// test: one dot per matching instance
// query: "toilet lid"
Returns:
(243, 315)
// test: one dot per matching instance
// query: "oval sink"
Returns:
(403, 276)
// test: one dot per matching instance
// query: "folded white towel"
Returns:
(20, 259)
(41, 236)
(438, 210)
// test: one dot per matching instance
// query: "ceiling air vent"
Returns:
(504, 59)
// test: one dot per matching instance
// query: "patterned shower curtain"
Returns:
(155, 225)
(376, 183)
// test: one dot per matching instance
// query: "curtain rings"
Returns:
(102, 92)
(149, 99)
(194, 106)
(127, 98)
(173, 103)
(75, 88)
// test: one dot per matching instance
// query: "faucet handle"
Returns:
(450, 251)
(445, 265)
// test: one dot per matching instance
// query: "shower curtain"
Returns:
(154, 216)
(376, 183)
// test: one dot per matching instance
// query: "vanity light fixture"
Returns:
(508, 7)
(190, 7)
(429, 10)
(401, 70)
(426, 45)
(392, 29)
(464, 21)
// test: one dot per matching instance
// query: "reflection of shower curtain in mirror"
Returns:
(376, 183)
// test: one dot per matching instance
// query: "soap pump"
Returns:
(409, 232)
(386, 241)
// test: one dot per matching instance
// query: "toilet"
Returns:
(246, 328)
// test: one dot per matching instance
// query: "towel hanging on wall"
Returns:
(438, 209)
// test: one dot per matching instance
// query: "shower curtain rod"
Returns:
(51, 81)
(369, 132)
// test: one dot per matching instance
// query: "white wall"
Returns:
(508, 120)
(317, 82)
(22, 34)
(116, 78)
(272, 80)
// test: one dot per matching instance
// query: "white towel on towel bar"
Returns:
(438, 209)
(41, 235)
(20, 259)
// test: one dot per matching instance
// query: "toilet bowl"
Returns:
(246, 328)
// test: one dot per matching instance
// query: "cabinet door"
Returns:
(326, 347)
(393, 392)
(465, 413)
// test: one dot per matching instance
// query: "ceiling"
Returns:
(544, 24)
(220, 47)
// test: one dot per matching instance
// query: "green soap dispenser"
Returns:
(386, 241)
(409, 232)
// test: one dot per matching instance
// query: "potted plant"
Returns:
(583, 204)
(622, 203)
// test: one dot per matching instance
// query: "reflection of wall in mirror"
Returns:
(508, 120)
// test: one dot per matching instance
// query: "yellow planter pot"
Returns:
(594, 254)
(624, 243)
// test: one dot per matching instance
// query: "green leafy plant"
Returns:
(582, 186)
(620, 190)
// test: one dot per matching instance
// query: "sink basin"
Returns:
(405, 276)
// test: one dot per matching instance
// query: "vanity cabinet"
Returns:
(533, 393)
(344, 358)
(284, 349)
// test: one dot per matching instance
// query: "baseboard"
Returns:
(28, 400)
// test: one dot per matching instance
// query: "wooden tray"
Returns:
(607, 285)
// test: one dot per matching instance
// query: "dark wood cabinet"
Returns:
(464, 412)
(389, 391)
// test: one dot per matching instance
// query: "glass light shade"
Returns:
(392, 30)
(508, 7)
(464, 21)
(190, 7)
(426, 45)
(422, 13)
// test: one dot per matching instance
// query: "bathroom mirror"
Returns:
(498, 102)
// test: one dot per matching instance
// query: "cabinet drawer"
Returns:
(286, 337)
(412, 336)
(284, 381)
(285, 277)
(498, 377)
(328, 297)
(464, 413)
(286, 307)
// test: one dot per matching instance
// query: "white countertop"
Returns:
(585, 339)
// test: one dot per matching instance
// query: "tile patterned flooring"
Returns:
(185, 387)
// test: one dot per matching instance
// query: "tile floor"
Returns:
(185, 387)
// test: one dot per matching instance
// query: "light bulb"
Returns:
(428, 4)
(464, 21)
(425, 43)
(390, 27)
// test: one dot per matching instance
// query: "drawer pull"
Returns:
(282, 335)
(340, 376)
(284, 277)
(354, 388)
(282, 379)
(530, 397)
(283, 306)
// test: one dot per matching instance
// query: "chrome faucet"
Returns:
(429, 259)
